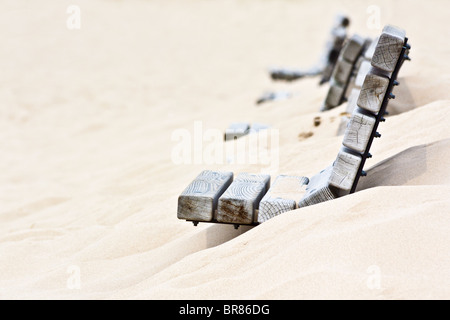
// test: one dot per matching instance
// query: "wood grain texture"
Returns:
(237, 130)
(282, 196)
(318, 189)
(353, 48)
(342, 72)
(345, 169)
(254, 177)
(332, 181)
(373, 91)
(334, 96)
(200, 198)
(388, 48)
(240, 201)
(358, 131)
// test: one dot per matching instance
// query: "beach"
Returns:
(106, 119)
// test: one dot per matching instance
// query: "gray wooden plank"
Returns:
(353, 48)
(373, 91)
(198, 201)
(342, 71)
(240, 201)
(237, 130)
(254, 177)
(334, 96)
(388, 48)
(358, 131)
(345, 169)
(282, 196)
(318, 189)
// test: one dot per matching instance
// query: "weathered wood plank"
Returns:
(327, 184)
(342, 72)
(373, 91)
(345, 169)
(358, 131)
(199, 200)
(388, 48)
(353, 48)
(240, 201)
(254, 177)
(237, 130)
(282, 196)
(318, 189)
(334, 96)
(333, 47)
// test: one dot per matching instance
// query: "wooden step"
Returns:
(240, 201)
(343, 71)
(199, 200)
(236, 130)
(372, 92)
(389, 46)
(282, 196)
(359, 130)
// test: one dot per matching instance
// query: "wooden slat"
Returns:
(240, 201)
(236, 130)
(343, 74)
(345, 168)
(333, 181)
(282, 196)
(199, 200)
(334, 96)
(358, 131)
(353, 48)
(318, 189)
(342, 71)
(254, 177)
(373, 92)
(388, 48)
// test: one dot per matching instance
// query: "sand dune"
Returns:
(89, 186)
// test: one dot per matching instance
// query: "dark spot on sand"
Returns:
(305, 135)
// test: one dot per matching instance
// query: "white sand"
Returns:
(87, 182)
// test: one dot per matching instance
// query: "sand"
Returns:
(89, 182)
